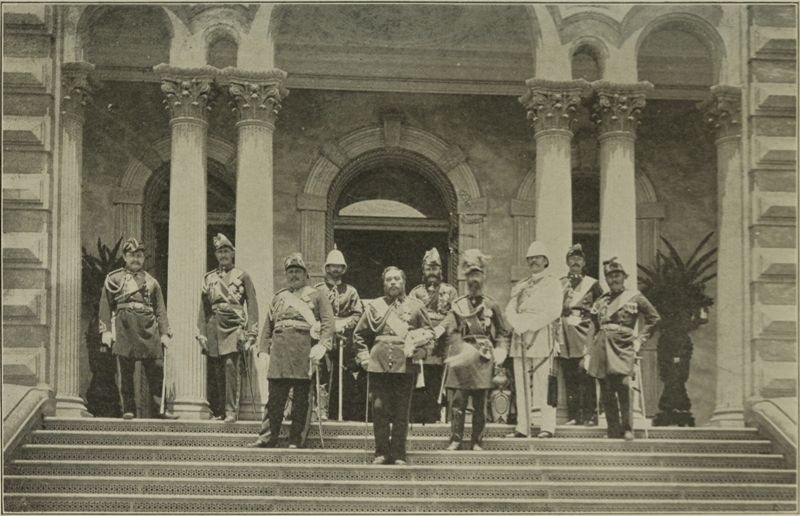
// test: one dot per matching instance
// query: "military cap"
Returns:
(473, 260)
(132, 245)
(294, 260)
(221, 241)
(335, 257)
(432, 258)
(576, 250)
(613, 265)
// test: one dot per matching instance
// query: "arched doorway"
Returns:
(387, 212)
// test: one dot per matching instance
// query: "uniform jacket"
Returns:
(438, 302)
(473, 329)
(287, 335)
(379, 336)
(580, 293)
(615, 317)
(346, 305)
(222, 317)
(533, 313)
(132, 308)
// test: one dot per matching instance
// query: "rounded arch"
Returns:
(691, 24)
(645, 193)
(595, 48)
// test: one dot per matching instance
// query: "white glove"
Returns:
(249, 343)
(500, 355)
(637, 344)
(573, 320)
(340, 325)
(165, 340)
(203, 340)
(106, 338)
(317, 352)
(438, 331)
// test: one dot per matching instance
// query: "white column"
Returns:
(723, 113)
(187, 93)
(617, 112)
(258, 98)
(75, 93)
(551, 106)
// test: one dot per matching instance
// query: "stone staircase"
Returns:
(109, 465)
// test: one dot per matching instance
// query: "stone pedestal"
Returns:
(723, 113)
(187, 92)
(257, 96)
(75, 93)
(551, 106)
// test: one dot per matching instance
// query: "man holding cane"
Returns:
(133, 323)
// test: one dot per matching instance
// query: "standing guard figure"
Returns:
(134, 324)
(298, 333)
(612, 355)
(393, 335)
(225, 330)
(347, 310)
(580, 293)
(477, 335)
(437, 297)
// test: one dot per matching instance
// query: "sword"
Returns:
(247, 358)
(163, 381)
(341, 370)
(315, 365)
(366, 420)
(525, 386)
(637, 360)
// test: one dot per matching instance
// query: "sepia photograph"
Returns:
(399, 257)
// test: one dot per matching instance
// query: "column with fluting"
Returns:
(551, 107)
(723, 113)
(75, 93)
(257, 97)
(617, 112)
(187, 92)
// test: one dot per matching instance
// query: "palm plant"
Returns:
(676, 288)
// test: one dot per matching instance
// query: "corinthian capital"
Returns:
(723, 111)
(619, 106)
(551, 104)
(257, 95)
(188, 90)
(75, 87)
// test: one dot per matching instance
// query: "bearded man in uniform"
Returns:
(437, 297)
(392, 337)
(297, 334)
(477, 335)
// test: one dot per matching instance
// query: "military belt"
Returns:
(613, 327)
(291, 323)
(390, 339)
(135, 306)
(225, 306)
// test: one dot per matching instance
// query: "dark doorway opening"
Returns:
(591, 248)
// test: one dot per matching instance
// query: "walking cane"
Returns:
(319, 410)
(366, 420)
(249, 372)
(525, 385)
(341, 370)
(163, 380)
(638, 361)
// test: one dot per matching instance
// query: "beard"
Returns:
(474, 286)
(393, 291)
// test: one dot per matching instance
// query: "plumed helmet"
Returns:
(432, 258)
(473, 260)
(613, 265)
(576, 250)
(294, 260)
(335, 257)
(221, 241)
(538, 248)
(132, 245)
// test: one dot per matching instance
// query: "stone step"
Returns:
(354, 456)
(443, 489)
(415, 442)
(357, 429)
(431, 473)
(67, 502)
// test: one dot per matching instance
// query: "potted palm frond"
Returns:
(676, 288)
(102, 396)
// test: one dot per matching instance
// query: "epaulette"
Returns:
(420, 286)
(281, 290)
(417, 301)
(109, 282)
(209, 273)
(322, 284)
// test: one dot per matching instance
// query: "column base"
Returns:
(71, 406)
(191, 409)
(727, 418)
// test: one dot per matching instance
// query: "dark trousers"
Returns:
(391, 402)
(459, 399)
(225, 384)
(153, 369)
(616, 400)
(278, 394)
(581, 392)
(425, 407)
(354, 395)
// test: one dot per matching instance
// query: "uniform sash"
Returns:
(620, 301)
(583, 288)
(296, 302)
(471, 319)
(390, 317)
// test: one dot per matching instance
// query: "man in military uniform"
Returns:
(437, 297)
(347, 310)
(393, 335)
(133, 323)
(580, 293)
(611, 357)
(225, 329)
(533, 314)
(477, 336)
(297, 334)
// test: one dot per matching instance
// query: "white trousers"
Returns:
(538, 396)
